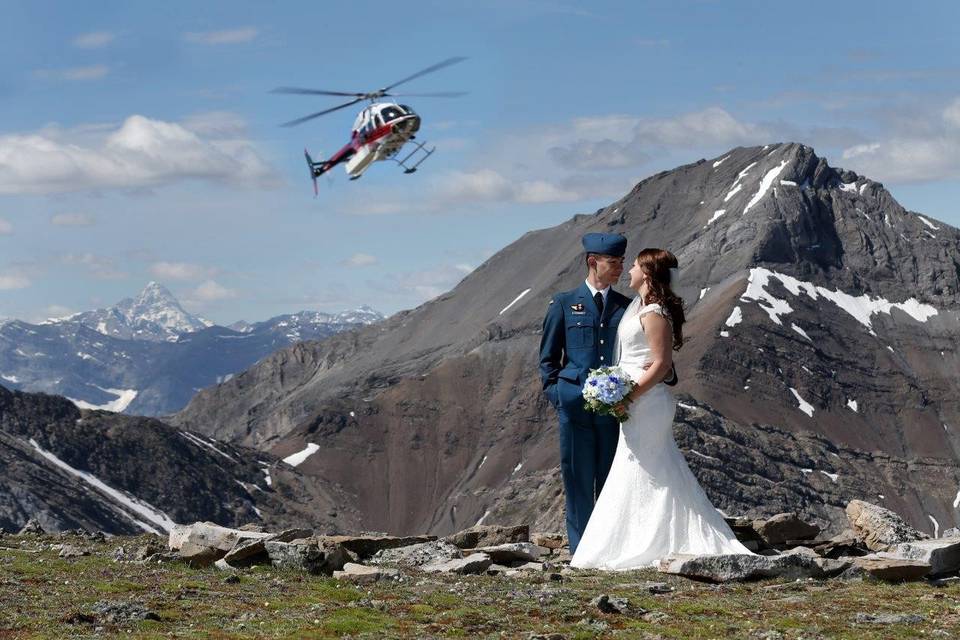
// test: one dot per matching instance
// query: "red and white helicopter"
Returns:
(380, 130)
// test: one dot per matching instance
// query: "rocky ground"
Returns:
(205, 581)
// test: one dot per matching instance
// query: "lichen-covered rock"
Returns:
(310, 555)
(489, 535)
(472, 564)
(742, 567)
(417, 555)
(943, 555)
(782, 527)
(879, 528)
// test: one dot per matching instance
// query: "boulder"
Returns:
(549, 540)
(310, 555)
(488, 535)
(782, 527)
(367, 546)
(879, 528)
(888, 569)
(197, 555)
(207, 534)
(247, 553)
(32, 526)
(842, 544)
(609, 604)
(888, 618)
(71, 551)
(743, 567)
(943, 555)
(362, 574)
(474, 563)
(511, 552)
(417, 555)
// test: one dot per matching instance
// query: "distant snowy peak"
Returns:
(154, 315)
(312, 325)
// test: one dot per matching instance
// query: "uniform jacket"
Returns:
(575, 340)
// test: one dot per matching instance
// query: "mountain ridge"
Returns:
(756, 230)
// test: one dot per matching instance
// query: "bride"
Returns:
(651, 505)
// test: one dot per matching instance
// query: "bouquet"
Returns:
(605, 389)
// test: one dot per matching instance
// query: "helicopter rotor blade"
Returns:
(316, 92)
(294, 123)
(437, 94)
(430, 69)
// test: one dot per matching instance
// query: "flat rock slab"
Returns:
(207, 534)
(472, 564)
(488, 535)
(367, 546)
(888, 618)
(891, 569)
(782, 527)
(742, 567)
(511, 552)
(417, 555)
(943, 555)
(879, 528)
(362, 574)
(309, 556)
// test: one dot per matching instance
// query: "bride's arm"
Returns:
(659, 335)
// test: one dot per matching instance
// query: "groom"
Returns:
(578, 335)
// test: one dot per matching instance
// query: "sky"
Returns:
(141, 142)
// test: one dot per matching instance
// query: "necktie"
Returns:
(598, 299)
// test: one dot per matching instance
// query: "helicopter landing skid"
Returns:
(419, 149)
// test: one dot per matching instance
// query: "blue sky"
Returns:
(139, 141)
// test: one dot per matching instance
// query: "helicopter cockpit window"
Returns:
(390, 113)
(407, 109)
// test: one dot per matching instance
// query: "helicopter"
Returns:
(380, 130)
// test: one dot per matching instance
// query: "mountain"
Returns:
(71, 468)
(147, 368)
(154, 315)
(820, 365)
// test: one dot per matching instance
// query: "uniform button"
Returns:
(601, 341)
(601, 357)
(601, 325)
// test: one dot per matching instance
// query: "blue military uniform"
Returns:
(577, 338)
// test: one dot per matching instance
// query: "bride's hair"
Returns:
(657, 263)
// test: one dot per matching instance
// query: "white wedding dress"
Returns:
(651, 505)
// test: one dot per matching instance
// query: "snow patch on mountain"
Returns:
(299, 457)
(805, 406)
(765, 184)
(128, 502)
(123, 399)
(861, 308)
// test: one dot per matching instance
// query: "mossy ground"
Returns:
(43, 596)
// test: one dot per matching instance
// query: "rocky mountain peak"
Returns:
(820, 353)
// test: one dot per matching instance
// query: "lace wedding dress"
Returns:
(651, 505)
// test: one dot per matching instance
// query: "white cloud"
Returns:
(211, 291)
(92, 72)
(98, 266)
(228, 36)
(55, 311)
(93, 40)
(13, 281)
(72, 219)
(180, 271)
(619, 141)
(360, 260)
(429, 283)
(139, 153)
(916, 154)
(5, 228)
